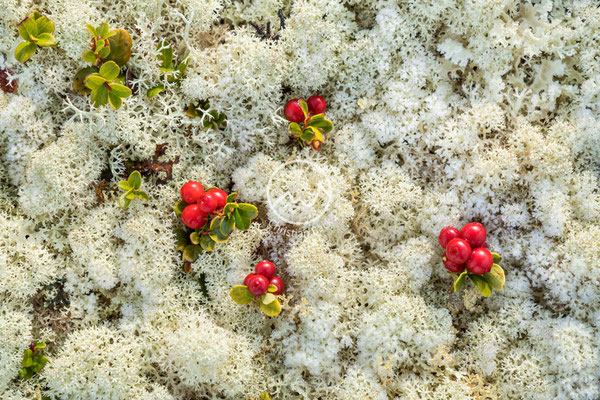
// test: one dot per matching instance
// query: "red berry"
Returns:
(316, 104)
(265, 268)
(191, 192)
(258, 285)
(193, 217)
(207, 203)
(452, 266)
(446, 235)
(474, 233)
(279, 283)
(247, 279)
(293, 112)
(480, 262)
(458, 250)
(220, 196)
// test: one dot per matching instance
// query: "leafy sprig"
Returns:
(132, 190)
(104, 89)
(313, 130)
(32, 361)
(36, 31)
(217, 229)
(493, 280)
(212, 118)
(268, 302)
(171, 72)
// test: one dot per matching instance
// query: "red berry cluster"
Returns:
(263, 276)
(294, 113)
(466, 247)
(200, 204)
(311, 114)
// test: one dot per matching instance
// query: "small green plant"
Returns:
(132, 190)
(103, 87)
(32, 361)
(212, 119)
(171, 72)
(311, 115)
(494, 279)
(108, 45)
(36, 30)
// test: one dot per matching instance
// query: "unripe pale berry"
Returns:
(220, 196)
(258, 285)
(207, 203)
(191, 192)
(452, 266)
(474, 233)
(458, 251)
(247, 279)
(293, 112)
(316, 104)
(446, 235)
(192, 217)
(279, 283)
(265, 268)
(480, 262)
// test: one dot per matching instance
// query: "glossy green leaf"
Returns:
(272, 289)
(99, 96)
(102, 30)
(307, 135)
(130, 194)
(89, 56)
(30, 27)
(229, 207)
(295, 129)
(481, 284)
(495, 278)
(45, 39)
(217, 235)
(316, 117)
(227, 224)
(154, 91)
(24, 51)
(40, 345)
(272, 309)
(120, 90)
(91, 29)
(44, 25)
(142, 195)
(166, 55)
(109, 70)
(267, 298)
(241, 295)
(207, 243)
(191, 253)
(460, 281)
(115, 101)
(247, 211)
(179, 206)
(182, 239)
(304, 107)
(135, 180)
(195, 237)
(123, 185)
(104, 52)
(231, 197)
(124, 201)
(496, 258)
(240, 222)
(95, 81)
(23, 32)
(27, 358)
(324, 124)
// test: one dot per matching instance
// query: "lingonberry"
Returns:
(191, 192)
(458, 250)
(258, 285)
(480, 262)
(220, 196)
(316, 104)
(452, 266)
(279, 283)
(446, 235)
(247, 278)
(293, 112)
(207, 203)
(193, 217)
(474, 233)
(265, 268)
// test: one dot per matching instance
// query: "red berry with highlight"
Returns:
(452, 266)
(265, 268)
(258, 285)
(293, 112)
(193, 217)
(247, 279)
(458, 251)
(279, 283)
(191, 192)
(480, 262)
(316, 104)
(474, 233)
(207, 203)
(446, 235)
(220, 196)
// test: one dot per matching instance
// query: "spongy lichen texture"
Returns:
(445, 112)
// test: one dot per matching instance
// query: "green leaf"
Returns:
(496, 258)
(45, 39)
(227, 224)
(104, 52)
(124, 202)
(114, 100)
(23, 32)
(267, 298)
(166, 54)
(460, 281)
(241, 295)
(304, 107)
(94, 81)
(495, 278)
(155, 90)
(207, 243)
(195, 237)
(231, 197)
(89, 56)
(307, 135)
(99, 96)
(130, 194)
(120, 90)
(316, 117)
(123, 185)
(179, 206)
(191, 253)
(40, 345)
(272, 289)
(324, 124)
(27, 358)
(247, 211)
(30, 27)
(318, 135)
(229, 207)
(91, 29)
(272, 309)
(102, 30)
(142, 195)
(182, 239)
(24, 51)
(109, 70)
(481, 284)
(44, 25)
(135, 180)
(218, 236)
(295, 129)
(240, 222)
